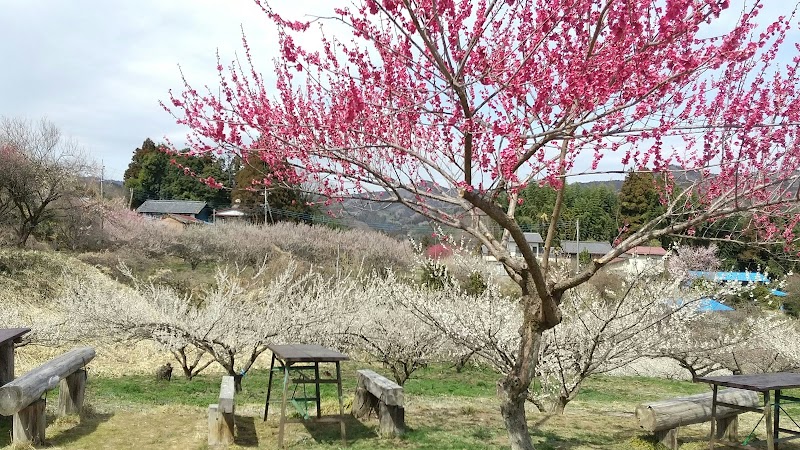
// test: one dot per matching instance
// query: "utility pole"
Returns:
(130, 200)
(577, 245)
(267, 209)
(102, 175)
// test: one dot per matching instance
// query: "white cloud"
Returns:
(98, 69)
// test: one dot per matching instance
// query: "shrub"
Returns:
(475, 284)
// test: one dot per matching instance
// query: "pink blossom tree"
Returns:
(450, 107)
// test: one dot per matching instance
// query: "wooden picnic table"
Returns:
(291, 358)
(763, 383)
(8, 336)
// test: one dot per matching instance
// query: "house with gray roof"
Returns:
(534, 240)
(160, 208)
(595, 249)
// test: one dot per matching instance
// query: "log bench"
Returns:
(378, 393)
(22, 397)
(664, 417)
(220, 415)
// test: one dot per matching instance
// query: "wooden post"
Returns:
(226, 392)
(363, 402)
(71, 392)
(6, 362)
(29, 424)
(668, 438)
(283, 404)
(341, 401)
(768, 421)
(269, 386)
(220, 427)
(714, 416)
(728, 429)
(316, 386)
(392, 419)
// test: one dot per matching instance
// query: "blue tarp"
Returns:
(708, 304)
(705, 305)
(731, 276)
(778, 293)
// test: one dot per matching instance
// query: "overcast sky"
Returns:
(97, 68)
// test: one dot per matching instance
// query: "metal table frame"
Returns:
(289, 358)
(763, 383)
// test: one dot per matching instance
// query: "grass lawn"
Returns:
(444, 410)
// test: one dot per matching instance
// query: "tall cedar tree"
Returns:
(154, 174)
(456, 102)
(639, 201)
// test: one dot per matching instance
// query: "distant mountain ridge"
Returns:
(394, 218)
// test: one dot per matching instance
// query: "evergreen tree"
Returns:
(638, 201)
(595, 206)
(154, 174)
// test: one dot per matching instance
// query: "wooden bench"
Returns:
(22, 397)
(220, 415)
(664, 417)
(378, 393)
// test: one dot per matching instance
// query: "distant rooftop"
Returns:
(594, 248)
(533, 238)
(644, 250)
(171, 207)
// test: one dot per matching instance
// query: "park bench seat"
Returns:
(378, 393)
(663, 418)
(221, 415)
(22, 397)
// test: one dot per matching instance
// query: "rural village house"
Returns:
(160, 208)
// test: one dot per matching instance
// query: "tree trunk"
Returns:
(187, 372)
(23, 236)
(463, 360)
(513, 389)
(237, 381)
(559, 405)
(512, 408)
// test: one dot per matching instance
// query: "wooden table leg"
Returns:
(283, 403)
(316, 383)
(269, 387)
(768, 419)
(341, 401)
(6, 362)
(777, 418)
(713, 441)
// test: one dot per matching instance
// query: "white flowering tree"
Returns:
(233, 322)
(739, 343)
(484, 325)
(604, 331)
(647, 314)
(389, 332)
